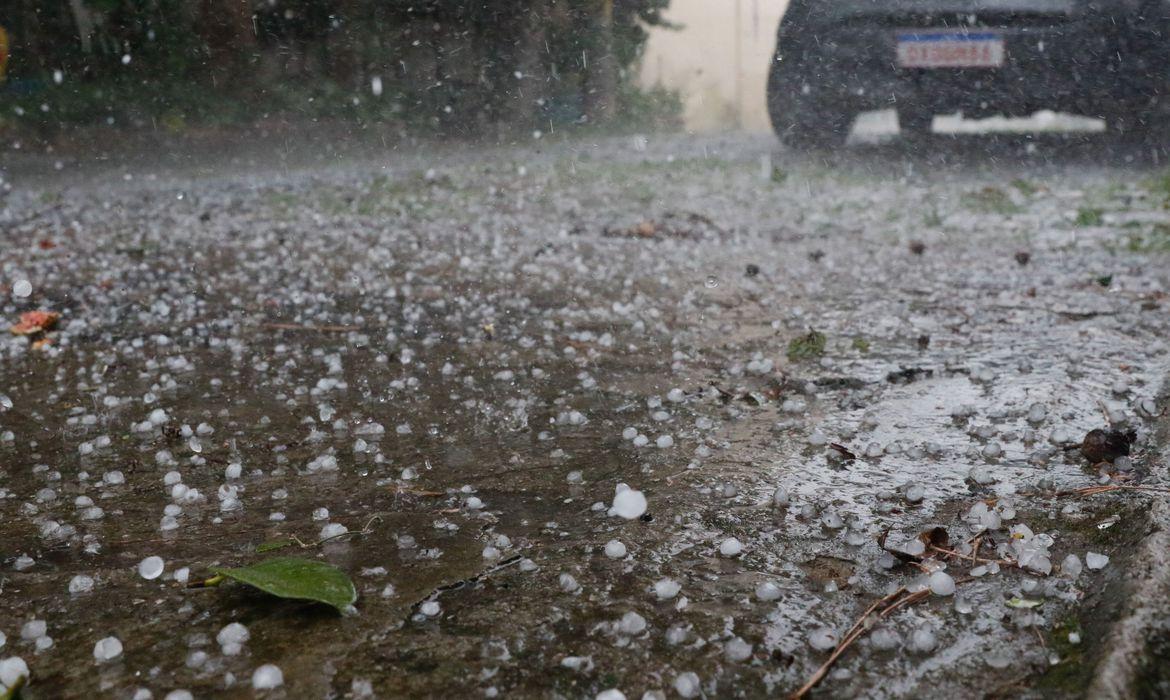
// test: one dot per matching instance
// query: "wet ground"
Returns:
(459, 353)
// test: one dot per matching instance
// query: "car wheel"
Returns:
(915, 121)
(803, 113)
(1136, 127)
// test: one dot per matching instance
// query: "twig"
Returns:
(971, 557)
(364, 531)
(892, 602)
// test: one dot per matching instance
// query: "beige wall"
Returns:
(722, 90)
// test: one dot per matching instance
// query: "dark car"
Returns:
(836, 58)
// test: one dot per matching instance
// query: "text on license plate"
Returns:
(949, 49)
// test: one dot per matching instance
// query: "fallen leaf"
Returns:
(33, 322)
(298, 579)
(1023, 603)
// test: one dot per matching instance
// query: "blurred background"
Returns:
(448, 67)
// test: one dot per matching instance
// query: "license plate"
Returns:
(930, 48)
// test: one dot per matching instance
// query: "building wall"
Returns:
(718, 59)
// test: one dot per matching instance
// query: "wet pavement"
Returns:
(459, 354)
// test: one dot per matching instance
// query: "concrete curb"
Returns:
(1118, 673)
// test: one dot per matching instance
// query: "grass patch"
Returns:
(806, 347)
(1090, 216)
(1071, 673)
(1156, 240)
(1025, 187)
(991, 200)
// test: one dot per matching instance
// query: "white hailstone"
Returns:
(664, 441)
(687, 684)
(884, 639)
(737, 649)
(491, 553)
(181, 575)
(568, 584)
(81, 584)
(628, 503)
(914, 547)
(730, 547)
(822, 639)
(768, 591)
(992, 450)
(197, 659)
(611, 694)
(675, 395)
(151, 568)
(1037, 413)
(667, 588)
(1096, 561)
(632, 623)
(267, 677)
(332, 530)
(923, 640)
(615, 549)
(320, 514)
(630, 433)
(33, 629)
(941, 583)
(107, 649)
(473, 503)
(3, 639)
(12, 670)
(232, 638)
(915, 494)
(22, 289)
(780, 497)
(431, 608)
(179, 694)
(641, 440)
(817, 439)
(1071, 566)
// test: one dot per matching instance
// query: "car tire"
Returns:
(1138, 127)
(803, 113)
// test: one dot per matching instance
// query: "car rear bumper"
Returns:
(1083, 65)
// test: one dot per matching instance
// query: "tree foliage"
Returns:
(449, 64)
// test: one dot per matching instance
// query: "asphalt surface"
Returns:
(457, 355)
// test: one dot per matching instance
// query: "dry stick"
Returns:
(972, 557)
(364, 531)
(851, 636)
(908, 600)
(896, 602)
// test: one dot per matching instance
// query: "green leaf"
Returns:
(1024, 603)
(300, 579)
(807, 346)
